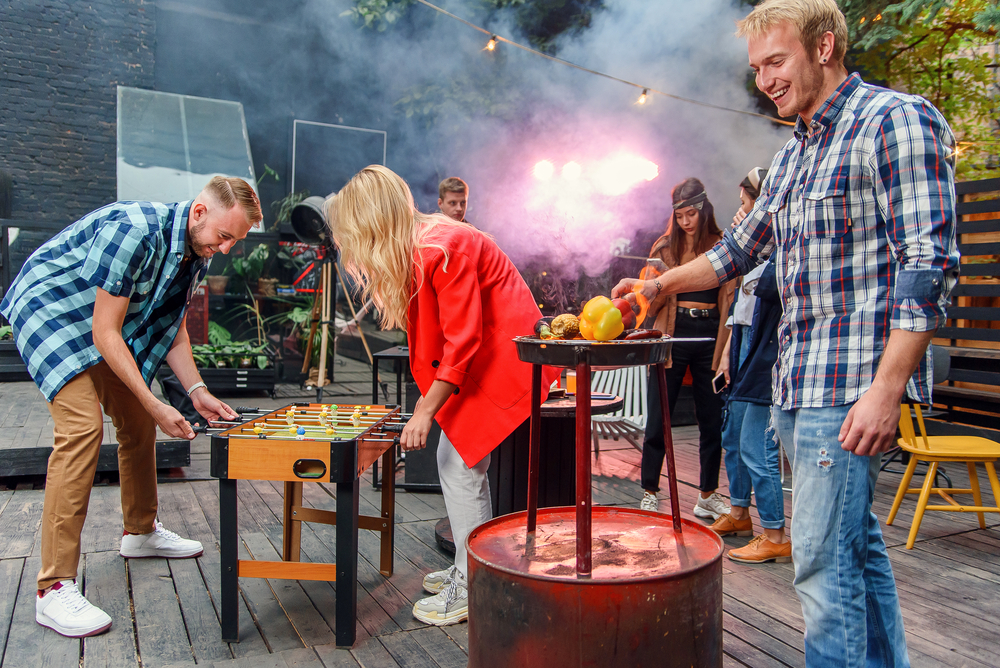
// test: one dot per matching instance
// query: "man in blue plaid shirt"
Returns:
(95, 311)
(858, 210)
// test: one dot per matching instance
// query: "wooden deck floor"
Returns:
(166, 613)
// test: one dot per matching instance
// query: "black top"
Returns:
(751, 382)
(709, 296)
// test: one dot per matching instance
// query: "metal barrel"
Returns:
(653, 598)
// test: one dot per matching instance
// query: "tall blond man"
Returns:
(858, 208)
(95, 311)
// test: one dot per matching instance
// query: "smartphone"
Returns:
(656, 264)
(719, 383)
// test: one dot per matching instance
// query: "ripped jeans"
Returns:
(842, 573)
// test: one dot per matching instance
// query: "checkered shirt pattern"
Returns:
(131, 249)
(860, 215)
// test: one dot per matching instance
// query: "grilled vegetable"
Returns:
(543, 328)
(565, 326)
(600, 320)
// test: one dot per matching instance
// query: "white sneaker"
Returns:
(649, 502)
(450, 606)
(159, 543)
(64, 610)
(711, 508)
(438, 580)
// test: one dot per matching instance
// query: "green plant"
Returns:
(235, 354)
(282, 208)
(218, 335)
(251, 267)
(6, 332)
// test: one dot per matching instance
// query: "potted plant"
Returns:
(12, 367)
(249, 269)
(226, 365)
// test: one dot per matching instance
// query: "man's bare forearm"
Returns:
(698, 274)
(180, 359)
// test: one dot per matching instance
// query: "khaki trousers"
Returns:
(79, 430)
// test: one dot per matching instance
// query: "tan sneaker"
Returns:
(727, 525)
(760, 550)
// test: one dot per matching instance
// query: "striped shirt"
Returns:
(859, 208)
(132, 249)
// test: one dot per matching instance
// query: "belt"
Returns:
(699, 312)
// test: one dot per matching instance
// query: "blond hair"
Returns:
(812, 18)
(229, 191)
(380, 234)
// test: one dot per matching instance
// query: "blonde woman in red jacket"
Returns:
(461, 301)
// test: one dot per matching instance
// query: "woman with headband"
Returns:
(461, 301)
(691, 231)
(752, 456)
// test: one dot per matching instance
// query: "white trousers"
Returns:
(466, 496)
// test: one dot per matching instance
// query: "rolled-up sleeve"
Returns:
(460, 308)
(915, 186)
(744, 246)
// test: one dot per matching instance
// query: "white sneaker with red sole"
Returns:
(64, 610)
(159, 543)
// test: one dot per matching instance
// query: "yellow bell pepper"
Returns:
(601, 320)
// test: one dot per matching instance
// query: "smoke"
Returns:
(454, 109)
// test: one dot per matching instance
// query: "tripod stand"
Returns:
(322, 318)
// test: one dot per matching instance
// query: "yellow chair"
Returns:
(933, 450)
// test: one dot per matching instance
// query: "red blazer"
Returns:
(461, 321)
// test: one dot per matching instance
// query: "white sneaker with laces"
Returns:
(64, 610)
(159, 543)
(450, 606)
(711, 508)
(438, 580)
(649, 502)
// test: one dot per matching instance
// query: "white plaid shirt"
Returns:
(861, 218)
(132, 249)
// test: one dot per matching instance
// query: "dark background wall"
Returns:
(60, 64)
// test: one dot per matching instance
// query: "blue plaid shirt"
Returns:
(859, 208)
(132, 249)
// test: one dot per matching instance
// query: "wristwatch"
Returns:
(195, 387)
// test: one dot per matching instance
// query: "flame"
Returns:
(646, 274)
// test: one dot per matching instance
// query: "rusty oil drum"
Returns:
(653, 599)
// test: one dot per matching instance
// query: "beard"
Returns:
(200, 249)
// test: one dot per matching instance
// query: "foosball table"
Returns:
(299, 443)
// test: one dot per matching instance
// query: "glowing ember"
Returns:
(544, 170)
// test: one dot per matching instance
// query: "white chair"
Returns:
(630, 421)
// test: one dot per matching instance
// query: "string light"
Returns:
(862, 20)
(491, 45)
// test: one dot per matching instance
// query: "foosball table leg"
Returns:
(347, 561)
(292, 526)
(229, 558)
(387, 537)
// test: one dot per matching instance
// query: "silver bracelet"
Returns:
(194, 387)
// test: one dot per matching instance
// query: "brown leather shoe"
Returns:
(726, 525)
(760, 550)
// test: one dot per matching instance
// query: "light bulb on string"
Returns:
(642, 98)
(492, 44)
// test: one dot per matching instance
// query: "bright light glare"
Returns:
(571, 171)
(618, 174)
(544, 170)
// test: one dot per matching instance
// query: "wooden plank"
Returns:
(459, 634)
(11, 571)
(102, 532)
(310, 625)
(28, 643)
(278, 631)
(406, 651)
(20, 522)
(159, 625)
(200, 617)
(370, 653)
(445, 652)
(107, 588)
(333, 657)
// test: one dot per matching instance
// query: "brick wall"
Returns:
(60, 65)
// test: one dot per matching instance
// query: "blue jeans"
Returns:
(752, 461)
(842, 573)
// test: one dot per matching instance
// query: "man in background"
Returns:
(453, 198)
